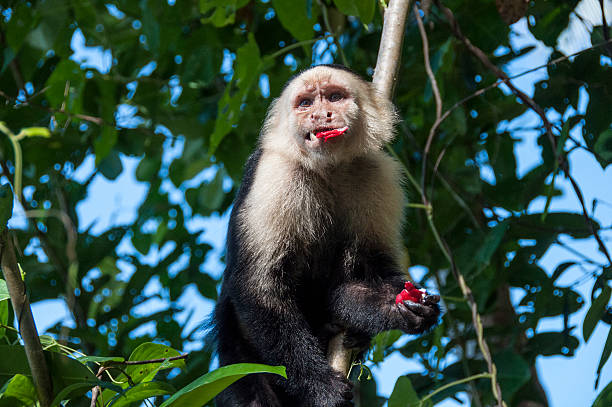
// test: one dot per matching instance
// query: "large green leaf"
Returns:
(604, 398)
(18, 391)
(247, 69)
(301, 28)
(595, 312)
(364, 9)
(605, 354)
(205, 388)
(403, 394)
(64, 371)
(603, 146)
(141, 392)
(151, 351)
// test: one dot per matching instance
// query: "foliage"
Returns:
(182, 89)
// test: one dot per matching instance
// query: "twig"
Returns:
(496, 84)
(93, 119)
(482, 57)
(434, 88)
(27, 327)
(96, 390)
(71, 231)
(146, 362)
(531, 104)
(587, 218)
(329, 28)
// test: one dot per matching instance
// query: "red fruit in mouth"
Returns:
(409, 286)
(331, 133)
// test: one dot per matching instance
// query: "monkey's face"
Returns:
(327, 116)
(322, 105)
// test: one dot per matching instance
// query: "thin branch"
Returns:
(93, 119)
(330, 29)
(588, 220)
(27, 327)
(71, 231)
(482, 57)
(434, 88)
(149, 361)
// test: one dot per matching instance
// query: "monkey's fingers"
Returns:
(407, 312)
(431, 299)
(421, 310)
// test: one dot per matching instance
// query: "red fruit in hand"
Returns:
(410, 293)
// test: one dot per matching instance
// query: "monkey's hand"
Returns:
(417, 317)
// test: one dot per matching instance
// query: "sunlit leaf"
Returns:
(203, 389)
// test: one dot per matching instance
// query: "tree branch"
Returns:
(385, 76)
(27, 327)
(390, 50)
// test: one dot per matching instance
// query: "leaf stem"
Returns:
(456, 382)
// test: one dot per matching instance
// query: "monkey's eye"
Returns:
(305, 102)
(336, 96)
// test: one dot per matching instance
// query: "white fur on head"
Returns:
(370, 118)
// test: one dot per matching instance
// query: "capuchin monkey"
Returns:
(314, 243)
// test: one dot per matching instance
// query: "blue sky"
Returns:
(568, 381)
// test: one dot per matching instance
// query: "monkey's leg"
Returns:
(280, 335)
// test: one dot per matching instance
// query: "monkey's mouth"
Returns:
(326, 133)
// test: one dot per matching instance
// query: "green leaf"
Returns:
(603, 145)
(148, 351)
(4, 315)
(220, 12)
(364, 9)
(111, 165)
(553, 343)
(78, 389)
(604, 398)
(605, 355)
(4, 294)
(381, 342)
(247, 68)
(141, 392)
(403, 394)
(65, 86)
(301, 28)
(64, 371)
(205, 388)
(512, 372)
(18, 391)
(35, 132)
(596, 311)
(6, 205)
